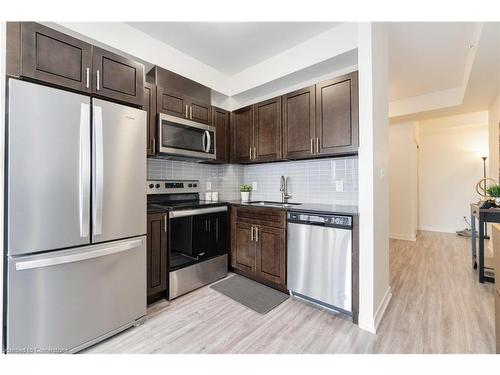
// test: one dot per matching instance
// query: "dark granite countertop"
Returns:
(309, 207)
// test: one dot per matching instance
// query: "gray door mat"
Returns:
(251, 294)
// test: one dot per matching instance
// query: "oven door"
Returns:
(185, 138)
(196, 235)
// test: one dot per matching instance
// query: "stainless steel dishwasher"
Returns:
(319, 266)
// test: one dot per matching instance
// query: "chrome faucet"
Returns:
(283, 188)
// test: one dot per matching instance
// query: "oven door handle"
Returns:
(197, 211)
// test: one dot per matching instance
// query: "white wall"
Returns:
(403, 197)
(374, 286)
(449, 168)
(2, 143)
(494, 137)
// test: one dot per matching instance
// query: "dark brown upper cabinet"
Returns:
(150, 107)
(220, 120)
(41, 53)
(156, 253)
(299, 122)
(242, 135)
(337, 116)
(171, 103)
(117, 77)
(181, 97)
(267, 130)
(47, 55)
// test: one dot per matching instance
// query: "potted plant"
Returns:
(494, 192)
(245, 192)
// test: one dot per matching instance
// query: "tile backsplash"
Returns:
(309, 181)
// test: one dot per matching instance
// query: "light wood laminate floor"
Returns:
(437, 306)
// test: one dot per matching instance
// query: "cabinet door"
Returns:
(171, 103)
(267, 130)
(271, 255)
(220, 120)
(337, 115)
(117, 77)
(242, 134)
(199, 112)
(299, 123)
(150, 107)
(157, 253)
(56, 58)
(243, 250)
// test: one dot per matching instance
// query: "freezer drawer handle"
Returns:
(30, 264)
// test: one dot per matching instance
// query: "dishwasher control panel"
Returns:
(318, 219)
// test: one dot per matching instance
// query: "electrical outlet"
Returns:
(254, 186)
(339, 186)
(209, 185)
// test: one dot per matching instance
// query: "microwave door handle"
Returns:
(204, 141)
(209, 141)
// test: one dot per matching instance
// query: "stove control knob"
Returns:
(194, 185)
(157, 186)
(151, 186)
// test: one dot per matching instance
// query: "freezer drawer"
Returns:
(319, 264)
(62, 301)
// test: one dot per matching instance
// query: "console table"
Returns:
(484, 215)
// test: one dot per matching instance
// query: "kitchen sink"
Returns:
(273, 204)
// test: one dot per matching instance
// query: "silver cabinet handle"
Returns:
(191, 112)
(317, 145)
(98, 84)
(101, 250)
(84, 169)
(250, 153)
(256, 234)
(312, 146)
(254, 154)
(251, 233)
(88, 78)
(165, 222)
(186, 111)
(98, 170)
(154, 146)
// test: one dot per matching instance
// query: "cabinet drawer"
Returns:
(261, 216)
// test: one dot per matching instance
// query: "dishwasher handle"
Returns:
(334, 221)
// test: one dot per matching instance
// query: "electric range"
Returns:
(197, 234)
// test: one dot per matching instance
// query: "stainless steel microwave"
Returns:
(183, 139)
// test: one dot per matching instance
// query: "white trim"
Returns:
(437, 229)
(405, 237)
(382, 307)
(3, 104)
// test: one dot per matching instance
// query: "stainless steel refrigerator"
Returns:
(76, 219)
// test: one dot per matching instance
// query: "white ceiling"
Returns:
(448, 70)
(231, 47)
(426, 57)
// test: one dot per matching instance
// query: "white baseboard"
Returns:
(404, 237)
(382, 307)
(437, 229)
(370, 322)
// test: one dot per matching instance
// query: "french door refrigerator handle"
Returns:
(71, 258)
(84, 170)
(98, 170)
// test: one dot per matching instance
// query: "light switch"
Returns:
(339, 186)
(382, 173)
(254, 185)
(209, 185)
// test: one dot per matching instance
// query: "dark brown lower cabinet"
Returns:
(156, 254)
(258, 248)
